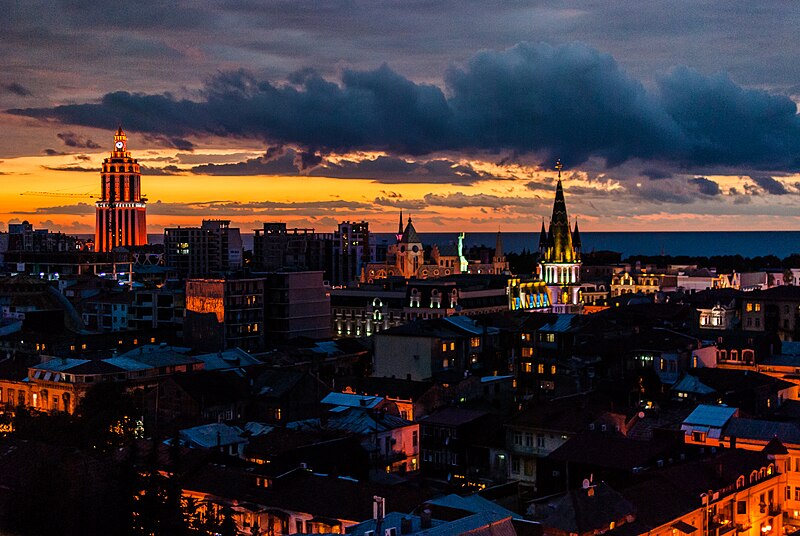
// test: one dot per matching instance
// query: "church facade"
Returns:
(560, 257)
(407, 259)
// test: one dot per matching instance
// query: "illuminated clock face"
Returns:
(118, 145)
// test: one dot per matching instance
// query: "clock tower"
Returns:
(120, 212)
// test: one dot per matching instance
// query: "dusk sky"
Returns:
(667, 115)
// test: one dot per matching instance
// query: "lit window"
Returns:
(474, 342)
(540, 368)
(83, 346)
(699, 437)
(758, 307)
(552, 369)
(527, 367)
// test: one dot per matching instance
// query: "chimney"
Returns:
(405, 525)
(425, 519)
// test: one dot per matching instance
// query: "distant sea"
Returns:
(744, 243)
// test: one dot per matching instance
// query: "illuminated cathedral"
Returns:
(560, 257)
(120, 213)
(406, 258)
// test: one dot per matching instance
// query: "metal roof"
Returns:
(712, 416)
(212, 435)
(352, 400)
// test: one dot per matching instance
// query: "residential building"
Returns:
(296, 304)
(423, 349)
(213, 248)
(352, 250)
(375, 307)
(276, 248)
(225, 313)
(775, 309)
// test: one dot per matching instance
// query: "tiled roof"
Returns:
(758, 429)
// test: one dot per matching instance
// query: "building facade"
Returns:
(120, 213)
(214, 247)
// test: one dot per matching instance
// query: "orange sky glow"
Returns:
(517, 199)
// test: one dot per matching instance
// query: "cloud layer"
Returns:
(532, 100)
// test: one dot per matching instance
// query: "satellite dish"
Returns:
(586, 483)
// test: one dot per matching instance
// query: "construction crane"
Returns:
(61, 194)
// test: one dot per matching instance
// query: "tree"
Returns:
(228, 525)
(107, 416)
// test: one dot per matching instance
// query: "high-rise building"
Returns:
(560, 257)
(352, 250)
(276, 248)
(213, 248)
(121, 209)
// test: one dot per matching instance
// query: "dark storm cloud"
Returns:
(72, 139)
(532, 99)
(729, 124)
(390, 169)
(17, 89)
(269, 164)
(462, 200)
(770, 185)
(162, 171)
(383, 169)
(664, 195)
(406, 204)
(173, 142)
(53, 152)
(655, 174)
(72, 168)
(539, 185)
(706, 186)
(271, 208)
(78, 209)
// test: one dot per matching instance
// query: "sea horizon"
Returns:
(672, 243)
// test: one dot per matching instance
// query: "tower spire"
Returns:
(399, 234)
(559, 244)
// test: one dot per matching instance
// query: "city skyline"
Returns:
(684, 120)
